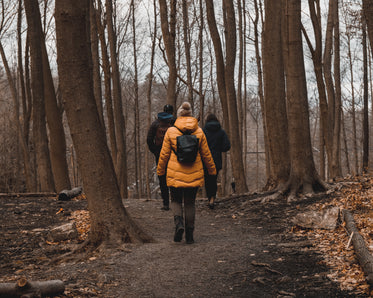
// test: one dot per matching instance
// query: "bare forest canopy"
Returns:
(294, 93)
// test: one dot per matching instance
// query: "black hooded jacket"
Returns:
(217, 140)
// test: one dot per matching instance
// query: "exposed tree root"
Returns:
(79, 253)
(296, 188)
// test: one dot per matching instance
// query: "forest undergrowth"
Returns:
(242, 248)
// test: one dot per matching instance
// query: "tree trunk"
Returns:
(236, 149)
(25, 150)
(365, 108)
(96, 62)
(149, 95)
(303, 175)
(57, 140)
(44, 172)
(29, 174)
(314, 6)
(169, 33)
(274, 96)
(368, 15)
(200, 63)
(336, 151)
(107, 84)
(110, 223)
(345, 144)
(137, 113)
(240, 74)
(187, 50)
(329, 87)
(219, 60)
(353, 114)
(120, 129)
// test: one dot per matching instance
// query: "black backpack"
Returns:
(186, 147)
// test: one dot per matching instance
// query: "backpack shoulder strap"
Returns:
(179, 129)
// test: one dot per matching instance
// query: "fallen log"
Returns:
(363, 254)
(25, 288)
(67, 195)
(27, 194)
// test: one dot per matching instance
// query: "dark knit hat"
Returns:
(168, 109)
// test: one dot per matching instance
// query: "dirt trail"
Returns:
(241, 249)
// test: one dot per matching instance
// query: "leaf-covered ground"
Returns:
(242, 248)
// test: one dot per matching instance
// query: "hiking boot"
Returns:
(165, 208)
(189, 235)
(179, 228)
(211, 203)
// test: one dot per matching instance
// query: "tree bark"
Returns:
(219, 60)
(303, 175)
(169, 34)
(107, 83)
(368, 15)
(149, 95)
(110, 223)
(200, 63)
(329, 87)
(230, 59)
(57, 140)
(96, 62)
(187, 50)
(275, 97)
(353, 112)
(365, 108)
(316, 52)
(336, 151)
(44, 172)
(137, 131)
(120, 129)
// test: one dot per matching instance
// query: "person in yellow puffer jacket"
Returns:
(184, 179)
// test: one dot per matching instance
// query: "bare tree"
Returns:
(365, 107)
(368, 15)
(44, 170)
(226, 84)
(110, 223)
(275, 97)
(316, 52)
(168, 26)
(303, 175)
(149, 91)
(120, 129)
(137, 114)
(107, 82)
(96, 61)
(186, 34)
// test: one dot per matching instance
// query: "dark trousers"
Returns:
(163, 186)
(211, 185)
(164, 190)
(188, 195)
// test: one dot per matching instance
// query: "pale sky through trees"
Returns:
(144, 15)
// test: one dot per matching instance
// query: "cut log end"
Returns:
(67, 195)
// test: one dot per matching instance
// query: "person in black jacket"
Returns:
(154, 140)
(218, 142)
